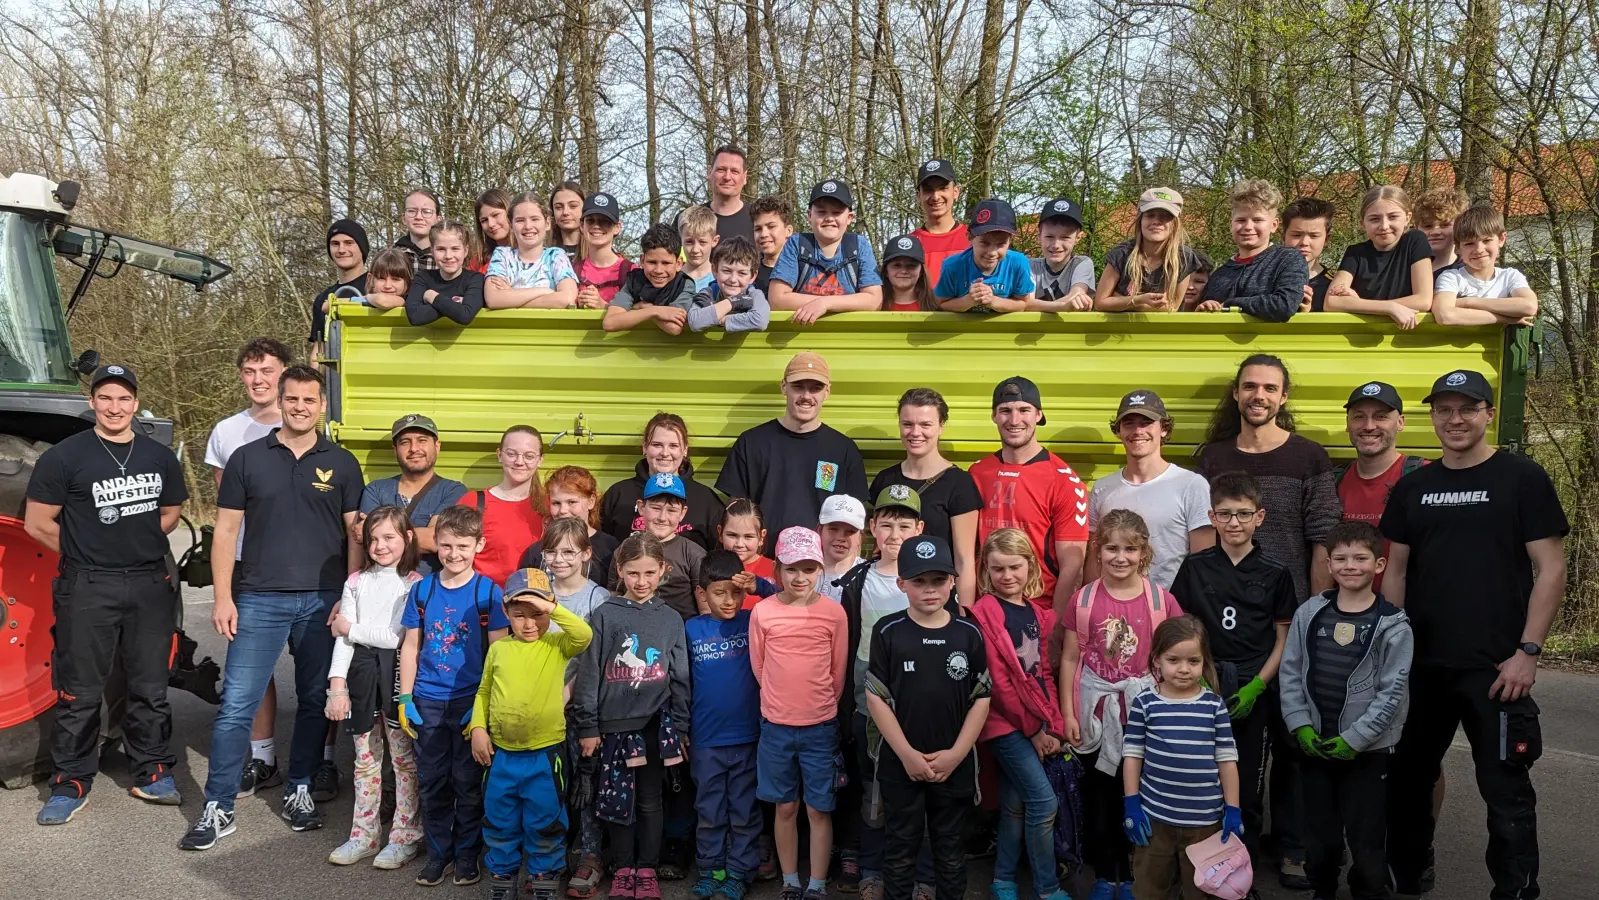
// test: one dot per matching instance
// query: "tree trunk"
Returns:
(754, 92)
(986, 136)
(650, 149)
(1479, 106)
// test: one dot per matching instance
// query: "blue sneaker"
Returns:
(1124, 891)
(707, 886)
(1060, 894)
(162, 792)
(1103, 890)
(1002, 890)
(60, 809)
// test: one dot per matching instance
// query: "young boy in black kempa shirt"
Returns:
(927, 689)
(1246, 600)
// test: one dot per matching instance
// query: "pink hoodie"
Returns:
(1019, 703)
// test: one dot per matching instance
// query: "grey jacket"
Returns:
(636, 664)
(1378, 695)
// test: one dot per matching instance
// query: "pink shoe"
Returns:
(624, 885)
(646, 885)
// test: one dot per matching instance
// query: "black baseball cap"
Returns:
(1062, 208)
(114, 373)
(834, 189)
(923, 554)
(904, 247)
(1380, 391)
(1017, 389)
(1142, 402)
(993, 214)
(412, 422)
(602, 205)
(935, 168)
(1465, 383)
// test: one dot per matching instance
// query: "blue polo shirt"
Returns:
(727, 699)
(386, 492)
(1013, 277)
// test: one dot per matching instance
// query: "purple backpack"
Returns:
(1065, 772)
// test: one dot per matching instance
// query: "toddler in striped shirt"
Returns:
(1180, 778)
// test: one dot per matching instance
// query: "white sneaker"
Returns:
(351, 852)
(395, 856)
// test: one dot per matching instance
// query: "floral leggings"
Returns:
(366, 827)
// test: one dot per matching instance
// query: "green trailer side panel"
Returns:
(556, 370)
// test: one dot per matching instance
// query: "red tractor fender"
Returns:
(27, 569)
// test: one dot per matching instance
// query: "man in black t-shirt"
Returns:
(349, 250)
(928, 693)
(789, 465)
(1466, 536)
(105, 500)
(301, 493)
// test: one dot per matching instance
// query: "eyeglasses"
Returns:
(1466, 413)
(563, 554)
(416, 212)
(1233, 515)
(513, 456)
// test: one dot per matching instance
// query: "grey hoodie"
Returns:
(1378, 695)
(636, 664)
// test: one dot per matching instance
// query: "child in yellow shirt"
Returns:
(518, 728)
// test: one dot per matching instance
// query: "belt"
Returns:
(71, 568)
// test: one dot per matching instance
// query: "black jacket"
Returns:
(618, 508)
(853, 582)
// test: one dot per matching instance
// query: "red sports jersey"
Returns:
(1043, 497)
(1364, 499)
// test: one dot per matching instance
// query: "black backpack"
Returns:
(811, 261)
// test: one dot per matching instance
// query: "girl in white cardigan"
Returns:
(361, 690)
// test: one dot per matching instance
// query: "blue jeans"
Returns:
(729, 816)
(451, 781)
(1027, 808)
(267, 621)
(523, 812)
(791, 757)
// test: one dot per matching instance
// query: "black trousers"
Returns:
(1105, 846)
(104, 615)
(1505, 741)
(638, 846)
(1347, 801)
(937, 811)
(1287, 800)
(1253, 737)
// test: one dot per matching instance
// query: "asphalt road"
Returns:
(120, 847)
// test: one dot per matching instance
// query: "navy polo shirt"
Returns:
(296, 540)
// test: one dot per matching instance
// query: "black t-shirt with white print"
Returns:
(934, 676)
(110, 496)
(1469, 577)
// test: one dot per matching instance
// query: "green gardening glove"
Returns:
(1241, 704)
(1309, 743)
(1338, 748)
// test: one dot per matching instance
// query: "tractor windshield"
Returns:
(33, 331)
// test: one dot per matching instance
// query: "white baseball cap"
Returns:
(843, 508)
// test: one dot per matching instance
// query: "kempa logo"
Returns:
(1371, 390)
(1455, 379)
(926, 550)
(1455, 498)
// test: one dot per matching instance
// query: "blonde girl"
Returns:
(1389, 273)
(528, 274)
(1149, 273)
(1024, 722)
(361, 690)
(1106, 659)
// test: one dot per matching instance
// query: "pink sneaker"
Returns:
(646, 885)
(624, 886)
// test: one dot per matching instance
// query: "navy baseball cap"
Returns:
(833, 189)
(923, 554)
(1380, 391)
(115, 373)
(935, 168)
(1018, 389)
(993, 214)
(1465, 383)
(602, 205)
(1062, 208)
(904, 247)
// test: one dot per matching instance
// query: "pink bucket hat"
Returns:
(797, 544)
(1222, 870)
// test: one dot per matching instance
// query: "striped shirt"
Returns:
(1181, 742)
(1338, 642)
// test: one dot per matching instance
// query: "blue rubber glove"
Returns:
(1241, 704)
(410, 719)
(1232, 823)
(1135, 823)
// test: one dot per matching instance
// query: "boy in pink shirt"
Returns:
(798, 648)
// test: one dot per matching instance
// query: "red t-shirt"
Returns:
(606, 279)
(763, 567)
(509, 528)
(939, 247)
(1043, 497)
(912, 306)
(1364, 499)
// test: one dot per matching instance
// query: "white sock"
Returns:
(265, 751)
(327, 753)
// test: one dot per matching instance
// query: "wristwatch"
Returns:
(1531, 649)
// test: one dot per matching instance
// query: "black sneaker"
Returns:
(214, 824)
(502, 887)
(543, 887)
(300, 811)
(434, 873)
(467, 871)
(258, 774)
(849, 873)
(325, 783)
(791, 892)
(1292, 875)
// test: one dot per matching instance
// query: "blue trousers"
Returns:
(1027, 808)
(267, 621)
(523, 812)
(729, 815)
(451, 781)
